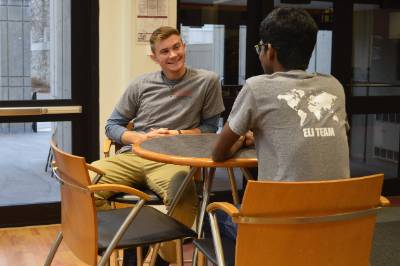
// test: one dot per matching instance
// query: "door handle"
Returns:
(372, 84)
(44, 110)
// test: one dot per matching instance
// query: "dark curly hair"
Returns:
(293, 33)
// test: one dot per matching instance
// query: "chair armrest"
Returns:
(94, 169)
(118, 188)
(99, 173)
(226, 207)
(384, 201)
(107, 146)
(108, 142)
(229, 209)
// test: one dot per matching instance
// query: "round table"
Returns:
(195, 151)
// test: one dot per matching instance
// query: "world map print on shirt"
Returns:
(318, 105)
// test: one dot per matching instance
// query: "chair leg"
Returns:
(117, 257)
(154, 252)
(48, 161)
(201, 259)
(139, 256)
(179, 252)
(219, 252)
(208, 180)
(247, 173)
(195, 257)
(53, 249)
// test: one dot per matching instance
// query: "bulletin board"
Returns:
(151, 14)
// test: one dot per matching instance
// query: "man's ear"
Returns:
(271, 52)
(154, 57)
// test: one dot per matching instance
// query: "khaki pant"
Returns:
(131, 170)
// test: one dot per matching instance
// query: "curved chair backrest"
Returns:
(291, 242)
(78, 214)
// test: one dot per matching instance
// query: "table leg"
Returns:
(232, 180)
(181, 189)
(204, 177)
(247, 173)
(206, 194)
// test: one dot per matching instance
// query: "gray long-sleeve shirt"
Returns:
(152, 101)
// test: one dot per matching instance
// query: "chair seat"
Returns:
(206, 246)
(149, 227)
(132, 199)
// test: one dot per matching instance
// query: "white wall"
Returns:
(121, 58)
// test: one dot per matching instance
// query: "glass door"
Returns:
(322, 13)
(375, 92)
(48, 93)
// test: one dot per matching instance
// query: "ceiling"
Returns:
(211, 2)
(314, 4)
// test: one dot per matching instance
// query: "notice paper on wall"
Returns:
(151, 14)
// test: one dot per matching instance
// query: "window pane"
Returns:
(35, 50)
(25, 159)
(205, 47)
(322, 13)
(215, 37)
(376, 50)
(374, 145)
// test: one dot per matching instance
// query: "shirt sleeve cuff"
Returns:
(117, 134)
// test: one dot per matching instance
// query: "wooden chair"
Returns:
(89, 233)
(299, 223)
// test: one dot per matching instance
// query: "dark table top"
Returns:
(193, 150)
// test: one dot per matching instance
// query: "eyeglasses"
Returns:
(259, 46)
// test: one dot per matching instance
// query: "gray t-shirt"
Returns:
(153, 101)
(299, 123)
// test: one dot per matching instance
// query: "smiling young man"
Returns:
(175, 100)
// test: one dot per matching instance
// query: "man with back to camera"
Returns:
(298, 119)
(175, 100)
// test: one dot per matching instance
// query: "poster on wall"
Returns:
(151, 15)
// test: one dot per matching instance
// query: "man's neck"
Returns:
(277, 67)
(175, 75)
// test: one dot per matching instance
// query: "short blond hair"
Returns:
(162, 33)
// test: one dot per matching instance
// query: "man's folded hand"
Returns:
(249, 138)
